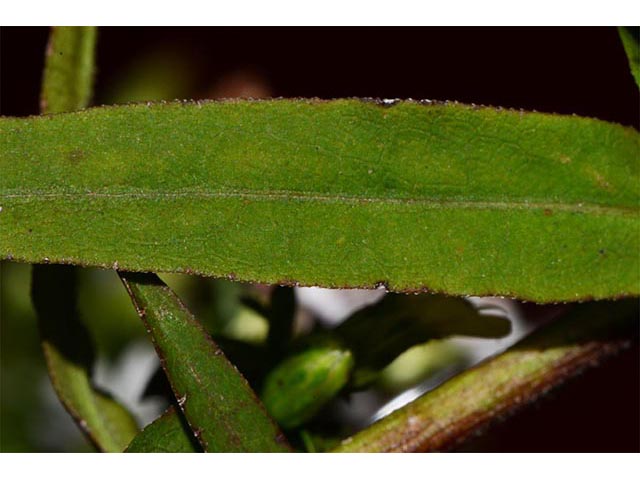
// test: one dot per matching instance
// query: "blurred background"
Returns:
(575, 70)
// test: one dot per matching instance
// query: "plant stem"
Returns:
(442, 419)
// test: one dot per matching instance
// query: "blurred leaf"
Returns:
(69, 69)
(21, 367)
(314, 442)
(69, 354)
(219, 405)
(247, 326)
(169, 433)
(419, 363)
(344, 193)
(444, 417)
(303, 383)
(106, 310)
(256, 304)
(379, 333)
(630, 37)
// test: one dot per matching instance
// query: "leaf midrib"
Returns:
(429, 203)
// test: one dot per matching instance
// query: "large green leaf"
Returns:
(68, 351)
(441, 419)
(346, 193)
(222, 410)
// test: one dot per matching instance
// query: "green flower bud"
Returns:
(302, 384)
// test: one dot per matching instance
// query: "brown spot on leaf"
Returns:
(602, 183)
(76, 155)
(598, 178)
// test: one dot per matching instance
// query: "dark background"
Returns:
(563, 70)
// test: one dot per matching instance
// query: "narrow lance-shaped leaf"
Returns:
(169, 433)
(220, 407)
(346, 193)
(66, 342)
(441, 419)
(630, 37)
(69, 355)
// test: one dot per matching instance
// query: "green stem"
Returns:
(443, 418)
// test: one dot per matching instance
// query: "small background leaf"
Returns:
(69, 356)
(69, 69)
(630, 37)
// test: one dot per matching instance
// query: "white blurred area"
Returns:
(331, 306)
(126, 379)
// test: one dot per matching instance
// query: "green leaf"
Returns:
(345, 193)
(222, 410)
(630, 37)
(169, 433)
(441, 419)
(303, 383)
(68, 351)
(379, 333)
(69, 65)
